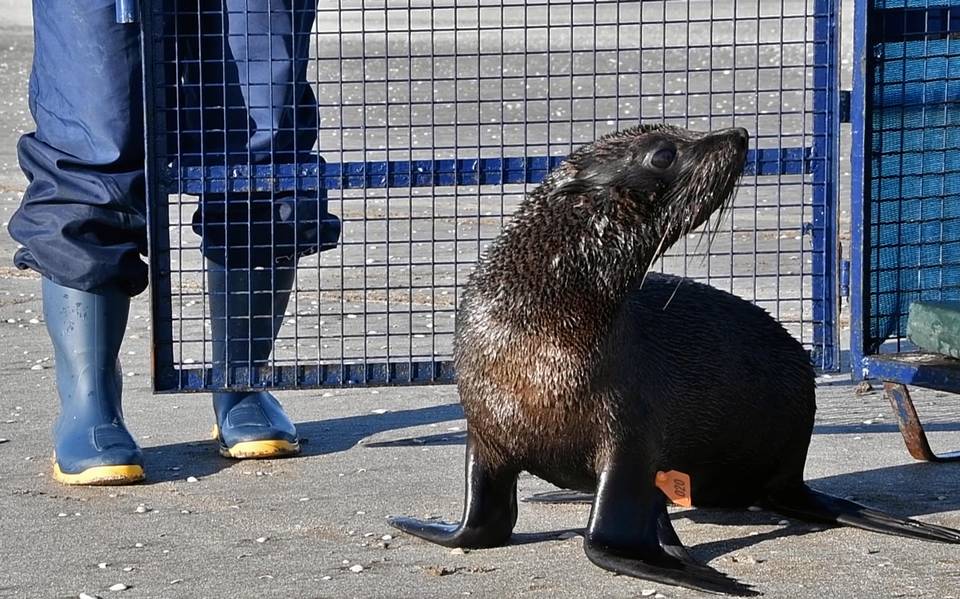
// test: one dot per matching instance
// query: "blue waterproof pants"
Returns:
(82, 221)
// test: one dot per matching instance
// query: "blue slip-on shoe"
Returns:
(253, 425)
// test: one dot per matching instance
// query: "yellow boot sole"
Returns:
(100, 475)
(257, 450)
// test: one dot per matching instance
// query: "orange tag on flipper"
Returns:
(676, 486)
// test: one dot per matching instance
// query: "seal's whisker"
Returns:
(727, 203)
(672, 295)
(658, 250)
(718, 217)
(703, 233)
(655, 255)
(721, 213)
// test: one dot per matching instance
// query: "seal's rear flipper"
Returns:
(806, 504)
(489, 510)
(630, 533)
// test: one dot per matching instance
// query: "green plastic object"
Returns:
(935, 327)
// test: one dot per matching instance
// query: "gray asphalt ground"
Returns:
(296, 527)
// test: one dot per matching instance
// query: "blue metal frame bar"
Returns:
(165, 375)
(825, 151)
(309, 175)
(861, 104)
(409, 372)
(934, 372)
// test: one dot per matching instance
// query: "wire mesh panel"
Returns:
(417, 127)
(907, 162)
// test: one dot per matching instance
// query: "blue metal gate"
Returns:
(906, 162)
(434, 118)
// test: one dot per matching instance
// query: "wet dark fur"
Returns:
(691, 378)
(577, 366)
(556, 308)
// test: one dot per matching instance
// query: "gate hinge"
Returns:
(844, 106)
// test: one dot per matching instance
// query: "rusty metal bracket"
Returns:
(910, 426)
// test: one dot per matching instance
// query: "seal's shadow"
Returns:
(704, 552)
(906, 490)
(200, 458)
(711, 550)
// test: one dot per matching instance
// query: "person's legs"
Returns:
(82, 223)
(252, 241)
(258, 110)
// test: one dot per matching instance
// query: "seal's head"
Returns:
(600, 219)
(666, 180)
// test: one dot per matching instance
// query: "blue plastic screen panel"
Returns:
(907, 172)
(433, 121)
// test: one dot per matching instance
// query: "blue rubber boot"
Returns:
(246, 308)
(92, 444)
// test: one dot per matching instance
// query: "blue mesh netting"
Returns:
(914, 224)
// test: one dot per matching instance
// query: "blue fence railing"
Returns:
(309, 175)
(432, 122)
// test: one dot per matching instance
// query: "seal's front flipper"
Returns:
(630, 533)
(489, 511)
(806, 504)
(699, 578)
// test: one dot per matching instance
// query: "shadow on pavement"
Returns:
(860, 429)
(164, 463)
(340, 434)
(449, 438)
(906, 491)
(318, 437)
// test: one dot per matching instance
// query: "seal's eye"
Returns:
(663, 158)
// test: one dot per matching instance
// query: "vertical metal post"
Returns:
(158, 215)
(826, 125)
(859, 202)
(127, 11)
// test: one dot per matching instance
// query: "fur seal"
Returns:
(577, 366)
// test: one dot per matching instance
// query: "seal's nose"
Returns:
(738, 134)
(741, 135)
